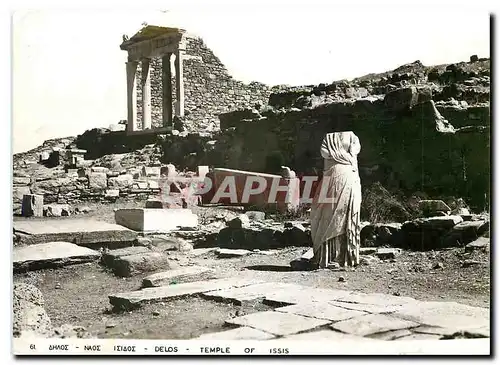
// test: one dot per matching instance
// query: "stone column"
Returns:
(146, 94)
(131, 96)
(167, 90)
(179, 83)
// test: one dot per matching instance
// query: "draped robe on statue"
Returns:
(335, 220)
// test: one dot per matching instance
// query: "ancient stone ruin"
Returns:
(149, 197)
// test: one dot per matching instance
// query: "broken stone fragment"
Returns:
(32, 205)
(387, 253)
(239, 222)
(56, 210)
(255, 215)
(130, 265)
(431, 207)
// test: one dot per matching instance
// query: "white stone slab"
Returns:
(321, 311)
(156, 220)
(446, 314)
(247, 293)
(135, 298)
(51, 254)
(166, 277)
(371, 324)
(300, 294)
(240, 333)
(277, 323)
(65, 226)
(228, 253)
(82, 231)
(202, 171)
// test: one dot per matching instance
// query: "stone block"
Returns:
(98, 180)
(482, 243)
(228, 253)
(112, 193)
(152, 171)
(433, 206)
(154, 204)
(182, 274)
(18, 193)
(156, 220)
(139, 263)
(50, 255)
(456, 316)
(168, 171)
(255, 215)
(401, 99)
(166, 242)
(388, 253)
(321, 311)
(16, 180)
(153, 184)
(56, 210)
(248, 293)
(136, 298)
(466, 232)
(367, 250)
(278, 193)
(445, 222)
(202, 171)
(121, 181)
(277, 323)
(82, 231)
(109, 256)
(32, 205)
(372, 324)
(99, 169)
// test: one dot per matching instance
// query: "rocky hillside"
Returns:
(424, 130)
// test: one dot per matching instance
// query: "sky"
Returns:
(69, 72)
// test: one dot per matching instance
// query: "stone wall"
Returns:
(208, 88)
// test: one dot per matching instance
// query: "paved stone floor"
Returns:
(305, 313)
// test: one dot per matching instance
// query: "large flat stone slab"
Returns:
(162, 293)
(453, 316)
(81, 231)
(247, 293)
(229, 253)
(321, 311)
(240, 333)
(156, 220)
(300, 294)
(325, 335)
(372, 324)
(49, 255)
(277, 323)
(180, 274)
